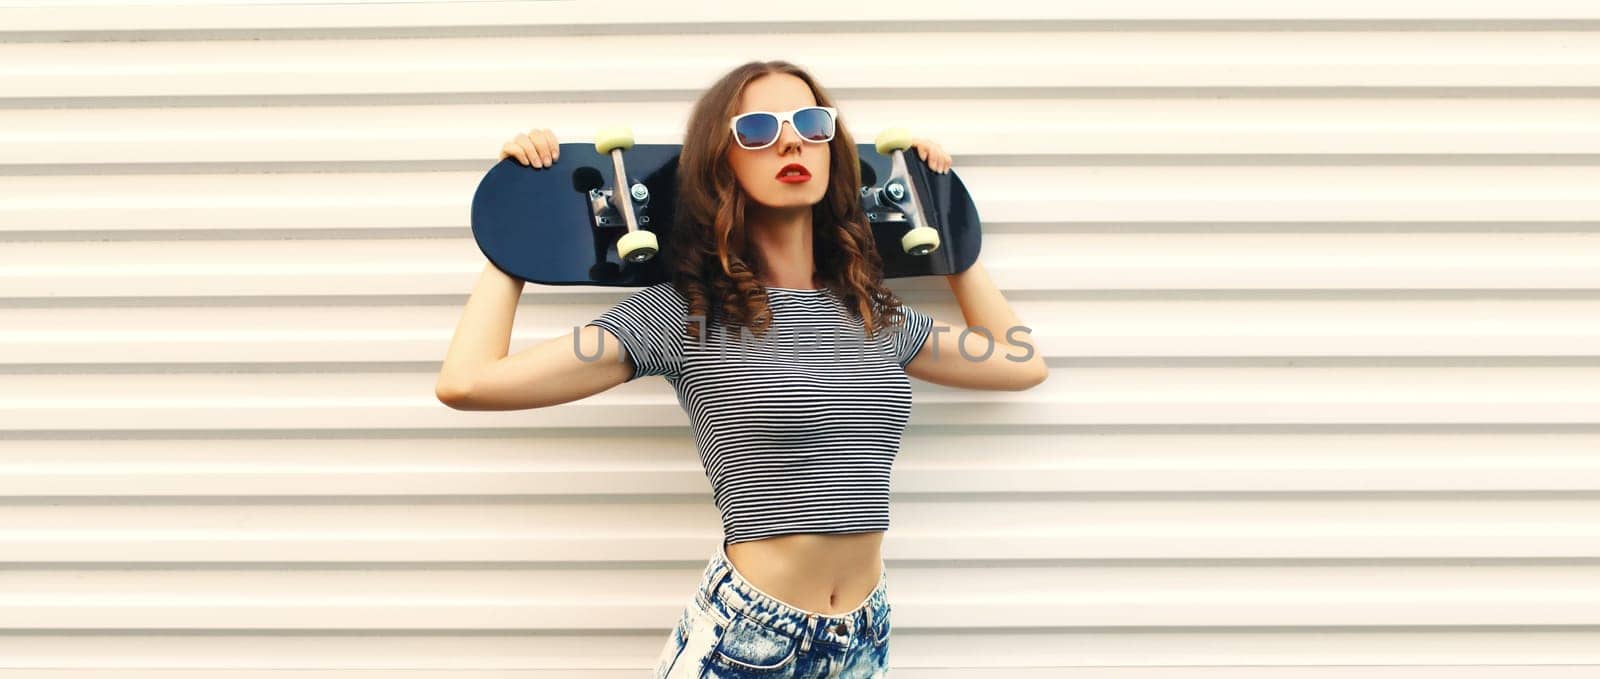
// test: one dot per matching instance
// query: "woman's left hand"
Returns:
(932, 154)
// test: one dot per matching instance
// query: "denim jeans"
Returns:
(730, 629)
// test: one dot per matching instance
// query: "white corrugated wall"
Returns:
(1319, 284)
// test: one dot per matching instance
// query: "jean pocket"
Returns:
(751, 647)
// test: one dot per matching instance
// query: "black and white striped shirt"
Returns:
(797, 430)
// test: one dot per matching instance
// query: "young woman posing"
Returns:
(790, 358)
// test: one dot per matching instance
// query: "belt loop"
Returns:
(869, 616)
(716, 580)
(811, 629)
(723, 574)
(710, 584)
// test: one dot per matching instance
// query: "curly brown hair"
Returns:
(715, 265)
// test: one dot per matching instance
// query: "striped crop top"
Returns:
(797, 429)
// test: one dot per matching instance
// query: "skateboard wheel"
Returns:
(920, 241)
(608, 138)
(893, 139)
(637, 246)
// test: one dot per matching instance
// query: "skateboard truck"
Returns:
(899, 193)
(637, 245)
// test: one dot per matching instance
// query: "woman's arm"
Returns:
(1010, 362)
(478, 375)
(940, 359)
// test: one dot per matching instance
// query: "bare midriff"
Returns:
(827, 574)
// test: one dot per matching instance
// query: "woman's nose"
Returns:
(787, 135)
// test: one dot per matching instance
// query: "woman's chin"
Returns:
(788, 202)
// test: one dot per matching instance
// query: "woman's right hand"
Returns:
(537, 147)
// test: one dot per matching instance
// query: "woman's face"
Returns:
(757, 171)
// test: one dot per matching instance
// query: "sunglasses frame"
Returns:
(788, 117)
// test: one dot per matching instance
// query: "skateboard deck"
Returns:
(561, 224)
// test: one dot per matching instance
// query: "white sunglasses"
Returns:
(759, 129)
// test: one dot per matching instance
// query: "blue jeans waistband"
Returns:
(726, 592)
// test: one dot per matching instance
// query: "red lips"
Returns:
(803, 172)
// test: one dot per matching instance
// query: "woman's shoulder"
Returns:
(660, 301)
(661, 293)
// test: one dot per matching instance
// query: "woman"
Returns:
(789, 356)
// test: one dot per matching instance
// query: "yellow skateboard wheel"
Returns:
(920, 241)
(893, 139)
(637, 246)
(617, 137)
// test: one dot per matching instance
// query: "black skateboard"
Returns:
(562, 224)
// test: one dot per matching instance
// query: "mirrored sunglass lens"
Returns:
(757, 130)
(814, 124)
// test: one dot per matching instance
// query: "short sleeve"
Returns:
(650, 324)
(907, 339)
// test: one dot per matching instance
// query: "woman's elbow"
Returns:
(457, 397)
(1032, 378)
